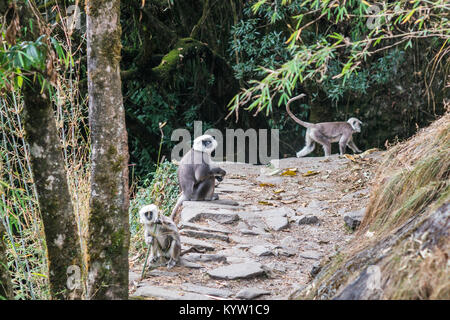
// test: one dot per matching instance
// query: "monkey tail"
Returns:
(177, 205)
(300, 122)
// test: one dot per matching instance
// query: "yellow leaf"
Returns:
(290, 172)
(266, 185)
(409, 16)
(310, 173)
(366, 3)
(350, 157)
(265, 203)
(279, 191)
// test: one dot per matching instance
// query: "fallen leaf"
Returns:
(267, 203)
(310, 173)
(279, 191)
(266, 185)
(290, 172)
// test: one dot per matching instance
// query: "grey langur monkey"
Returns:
(196, 176)
(161, 235)
(326, 133)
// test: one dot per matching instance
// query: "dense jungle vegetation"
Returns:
(229, 64)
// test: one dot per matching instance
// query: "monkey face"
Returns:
(356, 124)
(149, 214)
(205, 143)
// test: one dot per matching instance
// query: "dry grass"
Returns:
(412, 182)
(413, 175)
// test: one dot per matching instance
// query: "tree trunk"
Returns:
(108, 221)
(49, 175)
(5, 278)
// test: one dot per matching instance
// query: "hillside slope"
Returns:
(401, 249)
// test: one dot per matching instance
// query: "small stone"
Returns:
(314, 255)
(238, 271)
(315, 269)
(285, 252)
(306, 219)
(277, 223)
(353, 219)
(251, 293)
(261, 251)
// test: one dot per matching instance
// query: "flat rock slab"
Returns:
(277, 223)
(253, 232)
(274, 219)
(314, 255)
(224, 293)
(159, 273)
(167, 294)
(262, 251)
(208, 204)
(189, 264)
(223, 188)
(196, 226)
(277, 212)
(223, 216)
(251, 293)
(203, 257)
(204, 234)
(197, 244)
(237, 271)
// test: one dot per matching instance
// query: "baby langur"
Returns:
(161, 234)
(326, 133)
(196, 176)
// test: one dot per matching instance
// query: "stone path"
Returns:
(267, 235)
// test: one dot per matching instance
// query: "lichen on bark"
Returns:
(108, 238)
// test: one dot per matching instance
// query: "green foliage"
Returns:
(256, 48)
(159, 188)
(357, 83)
(342, 43)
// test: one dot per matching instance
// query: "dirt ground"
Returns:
(324, 188)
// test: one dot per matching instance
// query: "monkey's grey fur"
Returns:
(326, 133)
(196, 176)
(161, 234)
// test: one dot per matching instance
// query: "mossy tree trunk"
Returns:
(108, 221)
(49, 175)
(5, 278)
